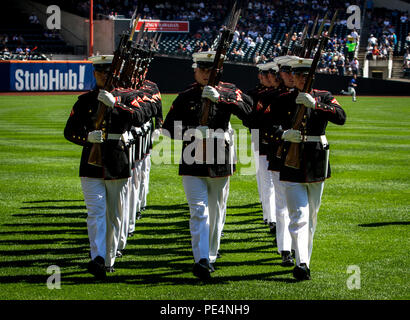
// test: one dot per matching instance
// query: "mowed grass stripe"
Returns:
(363, 219)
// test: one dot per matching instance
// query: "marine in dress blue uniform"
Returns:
(205, 182)
(304, 186)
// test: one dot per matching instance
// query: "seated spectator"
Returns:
(372, 40)
(340, 64)
(205, 46)
(369, 52)
(354, 64)
(332, 67)
(237, 53)
(322, 66)
(181, 49)
(375, 52)
(19, 50)
(354, 35)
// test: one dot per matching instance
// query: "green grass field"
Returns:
(363, 221)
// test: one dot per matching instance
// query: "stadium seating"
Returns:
(33, 36)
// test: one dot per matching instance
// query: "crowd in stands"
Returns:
(262, 29)
(31, 46)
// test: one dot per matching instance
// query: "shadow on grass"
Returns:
(181, 206)
(170, 278)
(382, 224)
(56, 208)
(51, 215)
(42, 201)
(250, 205)
(159, 253)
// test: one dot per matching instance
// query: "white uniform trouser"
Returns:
(137, 183)
(117, 209)
(303, 200)
(255, 150)
(205, 197)
(95, 201)
(145, 170)
(267, 189)
(125, 222)
(350, 92)
(283, 237)
(135, 202)
(225, 196)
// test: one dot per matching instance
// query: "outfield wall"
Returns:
(26, 76)
(171, 74)
(174, 74)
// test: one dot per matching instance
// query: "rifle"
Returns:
(95, 157)
(298, 48)
(148, 56)
(293, 157)
(216, 70)
(223, 46)
(313, 41)
(130, 62)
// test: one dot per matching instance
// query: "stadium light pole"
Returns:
(91, 45)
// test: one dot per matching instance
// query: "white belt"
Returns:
(125, 137)
(322, 139)
(146, 125)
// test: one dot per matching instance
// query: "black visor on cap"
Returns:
(204, 64)
(301, 70)
(285, 68)
(102, 67)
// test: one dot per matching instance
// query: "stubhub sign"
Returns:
(47, 76)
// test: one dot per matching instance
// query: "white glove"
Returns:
(107, 98)
(201, 132)
(210, 93)
(292, 136)
(306, 99)
(95, 136)
(155, 134)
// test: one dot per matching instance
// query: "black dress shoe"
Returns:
(138, 215)
(110, 269)
(287, 260)
(202, 269)
(119, 253)
(272, 227)
(301, 272)
(96, 268)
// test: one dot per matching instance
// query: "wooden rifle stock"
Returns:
(95, 157)
(216, 71)
(293, 156)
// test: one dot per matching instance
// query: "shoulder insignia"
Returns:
(135, 103)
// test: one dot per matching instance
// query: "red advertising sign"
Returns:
(164, 26)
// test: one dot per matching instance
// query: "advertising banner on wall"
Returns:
(164, 26)
(26, 76)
